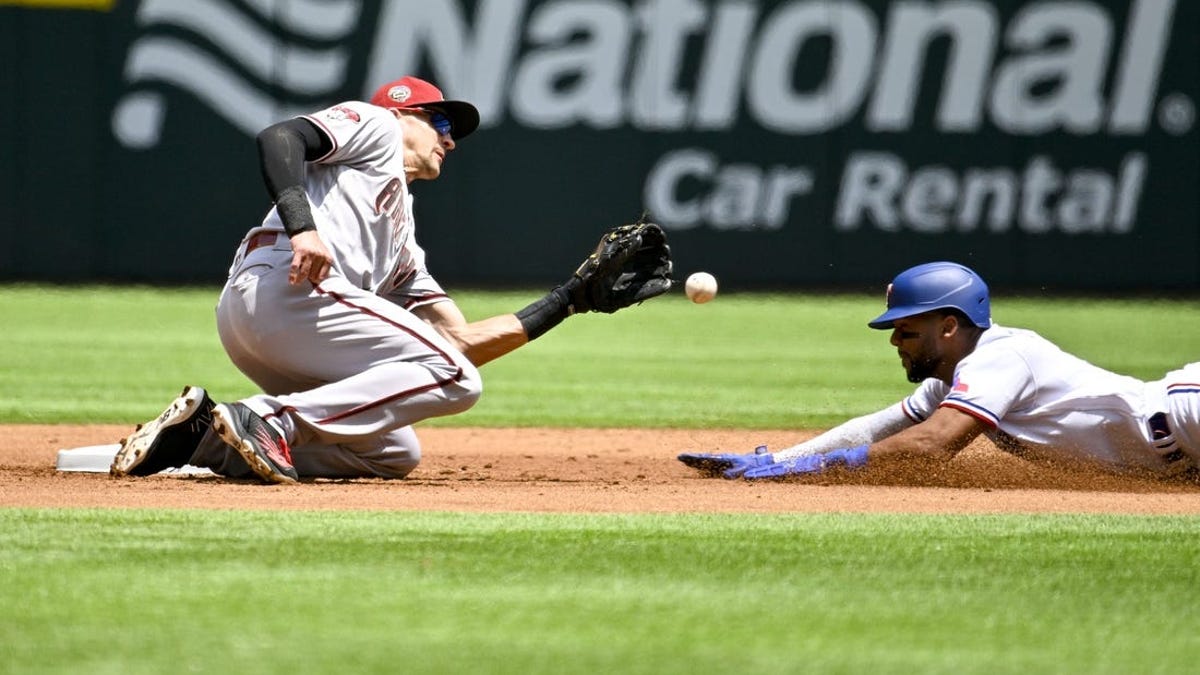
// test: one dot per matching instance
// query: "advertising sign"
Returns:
(783, 144)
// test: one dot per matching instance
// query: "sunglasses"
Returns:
(441, 123)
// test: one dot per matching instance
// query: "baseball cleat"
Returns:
(168, 440)
(259, 443)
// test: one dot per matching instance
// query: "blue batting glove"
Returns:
(810, 464)
(725, 464)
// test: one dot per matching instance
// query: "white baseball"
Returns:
(700, 287)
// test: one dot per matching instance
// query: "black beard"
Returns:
(920, 370)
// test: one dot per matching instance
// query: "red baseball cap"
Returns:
(412, 93)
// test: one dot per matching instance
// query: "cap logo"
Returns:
(400, 94)
(888, 297)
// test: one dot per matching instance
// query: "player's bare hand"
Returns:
(311, 259)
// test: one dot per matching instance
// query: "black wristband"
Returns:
(294, 211)
(544, 314)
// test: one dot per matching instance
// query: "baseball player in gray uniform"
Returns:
(329, 307)
(976, 377)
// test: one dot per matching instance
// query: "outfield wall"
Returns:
(788, 144)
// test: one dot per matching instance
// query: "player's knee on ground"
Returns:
(396, 465)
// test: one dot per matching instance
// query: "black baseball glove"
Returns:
(631, 263)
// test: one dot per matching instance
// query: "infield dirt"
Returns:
(589, 471)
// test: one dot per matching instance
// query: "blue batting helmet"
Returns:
(936, 285)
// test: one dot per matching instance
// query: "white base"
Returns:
(98, 458)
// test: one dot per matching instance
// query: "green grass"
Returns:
(294, 592)
(126, 591)
(98, 354)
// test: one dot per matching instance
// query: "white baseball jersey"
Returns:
(344, 366)
(361, 203)
(1054, 404)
